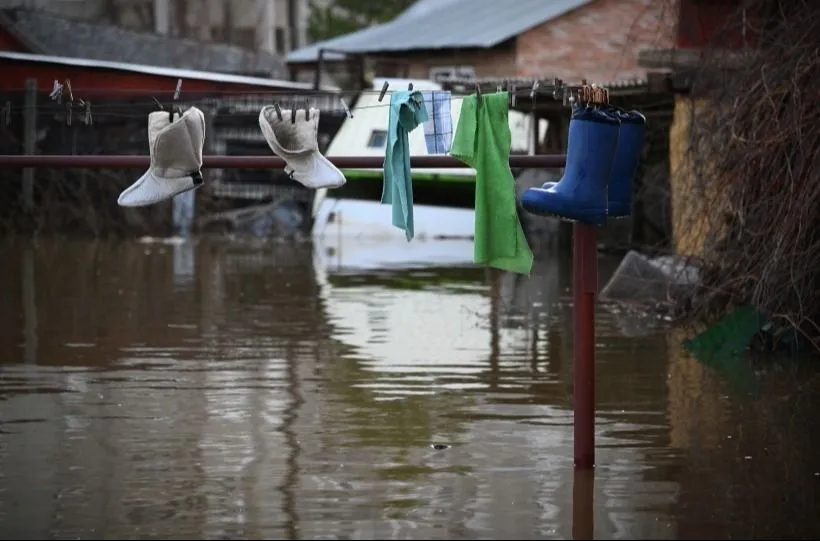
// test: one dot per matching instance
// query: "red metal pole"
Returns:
(259, 162)
(583, 508)
(585, 288)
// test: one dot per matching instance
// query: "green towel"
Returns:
(482, 141)
(407, 111)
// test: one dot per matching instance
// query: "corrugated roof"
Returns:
(174, 73)
(445, 24)
(57, 36)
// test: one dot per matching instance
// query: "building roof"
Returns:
(170, 73)
(53, 35)
(444, 24)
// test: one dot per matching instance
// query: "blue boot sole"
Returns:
(541, 203)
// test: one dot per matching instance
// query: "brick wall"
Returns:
(599, 42)
(496, 62)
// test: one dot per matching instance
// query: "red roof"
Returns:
(102, 78)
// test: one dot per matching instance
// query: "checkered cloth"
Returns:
(438, 130)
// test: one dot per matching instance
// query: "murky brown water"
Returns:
(221, 390)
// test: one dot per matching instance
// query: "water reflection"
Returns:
(207, 388)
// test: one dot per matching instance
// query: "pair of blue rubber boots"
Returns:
(603, 151)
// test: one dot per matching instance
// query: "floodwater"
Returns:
(218, 389)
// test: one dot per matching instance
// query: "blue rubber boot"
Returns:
(625, 165)
(581, 194)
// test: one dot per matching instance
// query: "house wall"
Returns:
(598, 42)
(496, 62)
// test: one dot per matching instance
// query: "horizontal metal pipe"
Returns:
(257, 162)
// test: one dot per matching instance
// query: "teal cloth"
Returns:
(407, 112)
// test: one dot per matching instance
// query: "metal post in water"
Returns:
(585, 288)
(583, 504)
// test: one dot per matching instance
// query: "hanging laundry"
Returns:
(294, 139)
(407, 111)
(175, 148)
(483, 141)
(438, 129)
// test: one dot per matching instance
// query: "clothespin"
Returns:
(307, 109)
(278, 111)
(410, 87)
(69, 103)
(293, 113)
(478, 92)
(346, 108)
(559, 90)
(161, 108)
(535, 86)
(6, 113)
(499, 88)
(57, 92)
(512, 95)
(384, 91)
(177, 92)
(599, 95)
(557, 86)
(582, 93)
(87, 117)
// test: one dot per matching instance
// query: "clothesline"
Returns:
(540, 91)
(105, 109)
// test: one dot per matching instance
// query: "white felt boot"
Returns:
(297, 144)
(176, 159)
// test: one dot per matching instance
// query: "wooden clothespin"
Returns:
(593, 94)
(600, 95)
(69, 104)
(383, 91)
(278, 110)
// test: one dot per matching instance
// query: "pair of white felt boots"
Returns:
(176, 147)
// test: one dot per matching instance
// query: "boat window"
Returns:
(378, 139)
